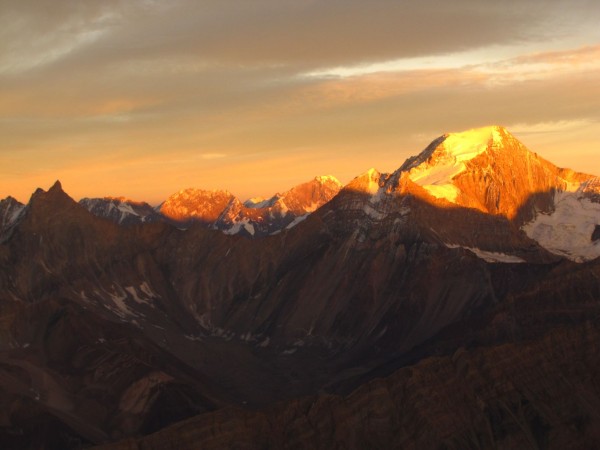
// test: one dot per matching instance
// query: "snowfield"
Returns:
(567, 231)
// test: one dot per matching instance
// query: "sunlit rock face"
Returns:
(255, 217)
(490, 170)
(197, 204)
(221, 210)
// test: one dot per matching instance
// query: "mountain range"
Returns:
(452, 303)
(221, 210)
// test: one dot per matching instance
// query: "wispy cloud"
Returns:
(213, 155)
(554, 127)
(543, 65)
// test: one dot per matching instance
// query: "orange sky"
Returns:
(144, 98)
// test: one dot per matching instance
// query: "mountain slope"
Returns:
(490, 171)
(210, 302)
(221, 210)
(120, 210)
(10, 213)
(519, 393)
(197, 205)
(177, 322)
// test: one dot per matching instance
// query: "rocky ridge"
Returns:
(10, 212)
(221, 210)
(120, 210)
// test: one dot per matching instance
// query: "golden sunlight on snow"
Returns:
(447, 162)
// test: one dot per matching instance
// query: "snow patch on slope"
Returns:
(140, 299)
(16, 215)
(237, 227)
(567, 231)
(296, 221)
(122, 310)
(126, 210)
(146, 289)
(492, 257)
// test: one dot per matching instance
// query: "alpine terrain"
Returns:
(453, 303)
(221, 210)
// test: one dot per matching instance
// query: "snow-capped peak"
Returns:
(260, 202)
(328, 179)
(445, 158)
(257, 216)
(368, 182)
(469, 144)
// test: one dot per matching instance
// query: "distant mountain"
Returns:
(451, 303)
(490, 171)
(197, 205)
(10, 212)
(121, 210)
(255, 217)
(221, 210)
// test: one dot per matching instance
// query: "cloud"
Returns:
(34, 34)
(307, 33)
(555, 127)
(213, 155)
(544, 65)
